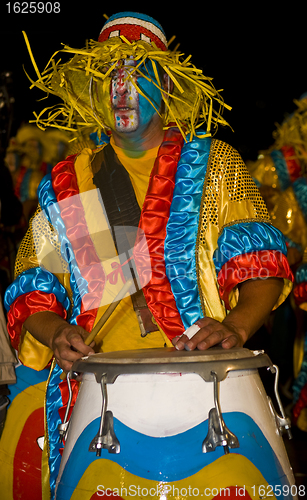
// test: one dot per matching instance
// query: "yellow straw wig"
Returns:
(193, 103)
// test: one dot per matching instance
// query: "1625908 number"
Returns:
(33, 7)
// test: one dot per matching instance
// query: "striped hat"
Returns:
(134, 26)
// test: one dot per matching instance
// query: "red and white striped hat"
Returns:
(134, 26)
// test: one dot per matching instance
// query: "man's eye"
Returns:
(105, 70)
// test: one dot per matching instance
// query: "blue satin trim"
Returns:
(49, 204)
(36, 279)
(79, 288)
(247, 237)
(182, 228)
(301, 274)
(53, 403)
(46, 195)
(281, 168)
(300, 190)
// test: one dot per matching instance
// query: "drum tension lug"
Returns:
(105, 438)
(283, 423)
(62, 428)
(218, 433)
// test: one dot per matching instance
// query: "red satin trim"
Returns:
(154, 217)
(261, 264)
(294, 167)
(300, 404)
(27, 304)
(64, 182)
(300, 293)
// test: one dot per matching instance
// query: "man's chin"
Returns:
(127, 130)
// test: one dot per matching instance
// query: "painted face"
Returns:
(125, 99)
(131, 110)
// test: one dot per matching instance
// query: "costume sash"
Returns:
(122, 209)
(123, 215)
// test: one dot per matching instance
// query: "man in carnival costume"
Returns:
(204, 243)
(280, 173)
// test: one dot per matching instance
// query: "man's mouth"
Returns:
(122, 108)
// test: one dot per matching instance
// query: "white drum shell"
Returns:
(160, 405)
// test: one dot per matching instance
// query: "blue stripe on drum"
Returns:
(172, 458)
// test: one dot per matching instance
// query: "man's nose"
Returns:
(121, 89)
(122, 85)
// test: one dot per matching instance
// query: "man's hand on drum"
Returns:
(65, 340)
(257, 297)
(211, 332)
(68, 345)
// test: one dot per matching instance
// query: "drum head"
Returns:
(169, 360)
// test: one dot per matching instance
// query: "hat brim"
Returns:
(194, 102)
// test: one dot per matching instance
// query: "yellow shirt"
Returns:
(138, 168)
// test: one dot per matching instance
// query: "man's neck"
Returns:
(140, 142)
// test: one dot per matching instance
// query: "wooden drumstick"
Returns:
(121, 294)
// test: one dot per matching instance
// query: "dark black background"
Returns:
(255, 52)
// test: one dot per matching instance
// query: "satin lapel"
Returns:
(181, 242)
(149, 251)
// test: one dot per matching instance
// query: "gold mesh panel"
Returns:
(38, 232)
(226, 165)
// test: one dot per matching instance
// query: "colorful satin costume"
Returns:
(207, 230)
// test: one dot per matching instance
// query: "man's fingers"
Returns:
(69, 346)
(206, 333)
(213, 338)
(232, 341)
(196, 333)
(77, 342)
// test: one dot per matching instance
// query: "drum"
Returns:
(21, 444)
(167, 424)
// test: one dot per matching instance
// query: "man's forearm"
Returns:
(256, 300)
(43, 326)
